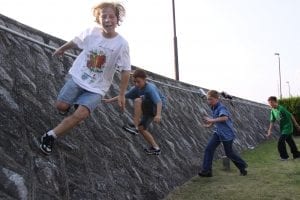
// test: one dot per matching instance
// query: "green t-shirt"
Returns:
(285, 119)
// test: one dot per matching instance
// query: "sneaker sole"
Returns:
(45, 152)
(130, 131)
(154, 153)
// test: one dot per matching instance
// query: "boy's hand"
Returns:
(106, 100)
(58, 52)
(269, 133)
(298, 127)
(157, 118)
(121, 102)
(208, 120)
(207, 125)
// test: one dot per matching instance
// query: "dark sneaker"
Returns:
(47, 142)
(296, 156)
(130, 128)
(205, 174)
(243, 172)
(152, 151)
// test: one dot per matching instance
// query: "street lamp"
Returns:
(280, 91)
(175, 43)
(288, 83)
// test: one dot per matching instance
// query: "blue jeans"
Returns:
(210, 150)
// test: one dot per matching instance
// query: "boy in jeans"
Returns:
(223, 132)
(286, 120)
(103, 51)
(148, 105)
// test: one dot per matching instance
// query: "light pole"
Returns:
(175, 43)
(288, 83)
(280, 90)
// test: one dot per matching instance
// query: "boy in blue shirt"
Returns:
(148, 105)
(223, 132)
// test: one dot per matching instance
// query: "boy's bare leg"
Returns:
(137, 111)
(148, 137)
(62, 106)
(71, 121)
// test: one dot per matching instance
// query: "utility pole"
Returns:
(280, 90)
(175, 44)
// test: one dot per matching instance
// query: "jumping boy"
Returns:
(148, 104)
(286, 120)
(103, 51)
(223, 132)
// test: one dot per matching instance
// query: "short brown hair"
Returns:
(272, 98)
(139, 73)
(213, 93)
(117, 7)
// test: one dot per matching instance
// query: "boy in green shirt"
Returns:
(286, 120)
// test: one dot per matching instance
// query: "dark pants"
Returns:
(282, 147)
(210, 150)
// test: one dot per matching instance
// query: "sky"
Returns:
(227, 45)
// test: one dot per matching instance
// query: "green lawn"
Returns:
(268, 179)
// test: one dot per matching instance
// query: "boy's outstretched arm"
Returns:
(295, 122)
(157, 117)
(214, 120)
(270, 129)
(111, 99)
(61, 50)
(210, 121)
(125, 75)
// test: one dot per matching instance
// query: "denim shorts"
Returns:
(72, 94)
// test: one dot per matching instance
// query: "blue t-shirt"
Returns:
(148, 93)
(223, 129)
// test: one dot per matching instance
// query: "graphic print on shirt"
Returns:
(96, 60)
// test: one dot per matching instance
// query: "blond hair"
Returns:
(117, 7)
(213, 93)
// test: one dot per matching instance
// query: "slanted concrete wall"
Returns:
(98, 160)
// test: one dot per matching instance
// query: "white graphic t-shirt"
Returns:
(94, 68)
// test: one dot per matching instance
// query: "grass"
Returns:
(268, 179)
